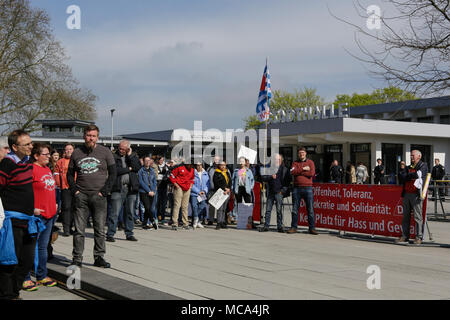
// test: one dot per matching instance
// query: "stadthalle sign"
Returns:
(310, 113)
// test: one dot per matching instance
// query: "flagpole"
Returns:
(263, 218)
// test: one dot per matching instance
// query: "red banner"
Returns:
(257, 206)
(257, 203)
(369, 209)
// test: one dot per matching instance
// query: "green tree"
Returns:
(385, 95)
(35, 82)
(283, 100)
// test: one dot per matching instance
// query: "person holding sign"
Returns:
(413, 179)
(303, 171)
(222, 180)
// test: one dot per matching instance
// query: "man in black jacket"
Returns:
(278, 188)
(378, 172)
(124, 191)
(438, 173)
(336, 172)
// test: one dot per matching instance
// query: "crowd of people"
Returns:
(92, 186)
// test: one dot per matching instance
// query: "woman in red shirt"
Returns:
(45, 207)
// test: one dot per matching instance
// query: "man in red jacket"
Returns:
(303, 171)
(182, 178)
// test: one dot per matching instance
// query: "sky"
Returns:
(164, 64)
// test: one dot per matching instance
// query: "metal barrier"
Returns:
(440, 193)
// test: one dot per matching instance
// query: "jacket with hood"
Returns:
(203, 185)
(183, 177)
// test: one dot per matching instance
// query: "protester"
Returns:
(198, 195)
(413, 178)
(163, 182)
(124, 191)
(402, 173)
(60, 174)
(4, 149)
(303, 171)
(148, 193)
(222, 180)
(243, 182)
(438, 173)
(170, 188)
(278, 188)
(54, 157)
(336, 172)
(361, 174)
(211, 170)
(378, 172)
(17, 196)
(182, 178)
(45, 202)
(350, 173)
(95, 168)
(139, 206)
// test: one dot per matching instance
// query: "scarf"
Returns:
(224, 174)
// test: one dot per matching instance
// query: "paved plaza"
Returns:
(247, 264)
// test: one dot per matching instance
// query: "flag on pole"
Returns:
(265, 94)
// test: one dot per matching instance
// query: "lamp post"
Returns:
(112, 128)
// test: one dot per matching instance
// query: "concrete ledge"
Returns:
(105, 286)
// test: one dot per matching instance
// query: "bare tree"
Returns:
(412, 45)
(35, 81)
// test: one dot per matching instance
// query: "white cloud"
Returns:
(168, 75)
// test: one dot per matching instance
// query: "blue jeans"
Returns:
(121, 200)
(198, 208)
(42, 244)
(58, 199)
(139, 209)
(298, 194)
(278, 199)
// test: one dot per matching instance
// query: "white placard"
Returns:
(201, 198)
(248, 154)
(218, 199)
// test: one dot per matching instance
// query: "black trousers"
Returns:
(12, 277)
(243, 194)
(147, 201)
(66, 210)
(379, 180)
